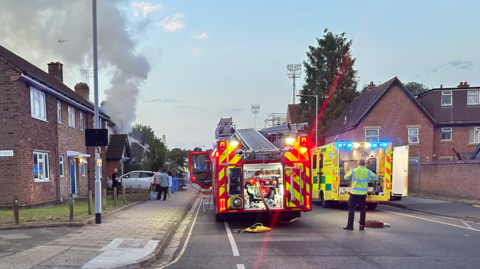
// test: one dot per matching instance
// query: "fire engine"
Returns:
(248, 173)
(331, 162)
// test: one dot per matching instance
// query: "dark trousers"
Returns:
(118, 189)
(157, 189)
(163, 190)
(361, 200)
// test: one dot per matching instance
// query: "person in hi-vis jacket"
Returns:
(360, 178)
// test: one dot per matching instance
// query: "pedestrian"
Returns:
(115, 181)
(360, 178)
(163, 184)
(170, 181)
(157, 179)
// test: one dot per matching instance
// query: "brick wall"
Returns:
(447, 179)
(9, 131)
(36, 135)
(393, 113)
(72, 138)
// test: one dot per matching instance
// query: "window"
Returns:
(446, 158)
(37, 104)
(371, 135)
(446, 134)
(62, 167)
(446, 98)
(82, 168)
(473, 98)
(81, 120)
(413, 135)
(40, 166)
(71, 116)
(314, 162)
(474, 135)
(59, 112)
(413, 161)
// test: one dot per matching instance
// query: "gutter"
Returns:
(62, 96)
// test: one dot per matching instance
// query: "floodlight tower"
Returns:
(294, 71)
(255, 110)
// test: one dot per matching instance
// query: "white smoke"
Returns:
(31, 29)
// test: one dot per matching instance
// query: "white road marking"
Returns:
(240, 266)
(232, 241)
(186, 241)
(466, 224)
(444, 223)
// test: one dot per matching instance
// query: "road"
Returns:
(317, 240)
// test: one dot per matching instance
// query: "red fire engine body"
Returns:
(247, 173)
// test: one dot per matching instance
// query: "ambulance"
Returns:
(331, 162)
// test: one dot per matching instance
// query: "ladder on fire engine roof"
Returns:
(254, 140)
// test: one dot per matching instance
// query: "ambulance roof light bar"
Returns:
(364, 145)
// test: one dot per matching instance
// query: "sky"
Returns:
(179, 66)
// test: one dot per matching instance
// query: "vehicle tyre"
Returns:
(220, 217)
(398, 198)
(325, 204)
(371, 206)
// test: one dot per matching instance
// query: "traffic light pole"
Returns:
(98, 183)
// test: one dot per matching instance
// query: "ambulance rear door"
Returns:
(400, 171)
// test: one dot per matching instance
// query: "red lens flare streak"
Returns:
(345, 62)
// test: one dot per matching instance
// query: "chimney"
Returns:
(82, 89)
(371, 86)
(56, 70)
(463, 85)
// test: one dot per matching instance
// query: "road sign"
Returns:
(6, 153)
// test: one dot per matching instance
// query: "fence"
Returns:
(458, 179)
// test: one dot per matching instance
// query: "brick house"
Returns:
(388, 112)
(43, 122)
(456, 112)
(118, 153)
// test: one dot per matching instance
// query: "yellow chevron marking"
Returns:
(228, 202)
(221, 174)
(308, 188)
(223, 156)
(308, 172)
(235, 159)
(221, 190)
(232, 210)
(290, 157)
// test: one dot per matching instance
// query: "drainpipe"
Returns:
(419, 155)
(58, 173)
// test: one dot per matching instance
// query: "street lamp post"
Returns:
(316, 113)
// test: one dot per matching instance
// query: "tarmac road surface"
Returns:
(317, 240)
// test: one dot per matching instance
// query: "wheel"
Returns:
(371, 206)
(325, 204)
(398, 198)
(219, 217)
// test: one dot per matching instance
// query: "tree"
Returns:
(157, 147)
(415, 88)
(177, 160)
(329, 74)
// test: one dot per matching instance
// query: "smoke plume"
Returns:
(32, 29)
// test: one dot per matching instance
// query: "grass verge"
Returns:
(60, 214)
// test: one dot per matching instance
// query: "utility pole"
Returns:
(98, 184)
(294, 71)
(316, 113)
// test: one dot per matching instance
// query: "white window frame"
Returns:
(447, 130)
(476, 135)
(413, 138)
(42, 160)
(71, 116)
(472, 93)
(368, 138)
(83, 169)
(447, 93)
(59, 111)
(61, 159)
(38, 96)
(81, 120)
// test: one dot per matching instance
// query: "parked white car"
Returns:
(135, 178)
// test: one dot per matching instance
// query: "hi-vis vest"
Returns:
(360, 177)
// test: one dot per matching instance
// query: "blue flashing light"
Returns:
(339, 145)
(374, 145)
(349, 145)
(384, 144)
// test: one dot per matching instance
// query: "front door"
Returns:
(73, 174)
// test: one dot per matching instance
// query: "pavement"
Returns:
(439, 207)
(129, 238)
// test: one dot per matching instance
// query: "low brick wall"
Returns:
(460, 179)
